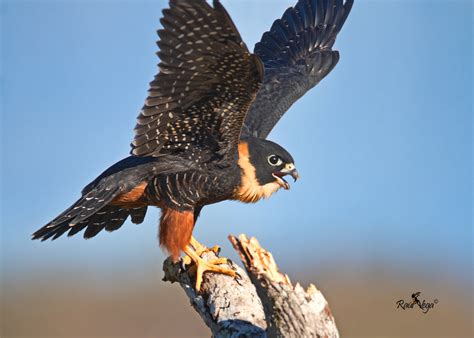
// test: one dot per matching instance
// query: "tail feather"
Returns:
(92, 230)
(85, 207)
(118, 218)
(93, 202)
(77, 228)
(93, 213)
(46, 233)
(138, 215)
(60, 232)
(96, 209)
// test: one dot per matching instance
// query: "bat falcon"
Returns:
(200, 137)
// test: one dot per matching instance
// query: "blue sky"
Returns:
(383, 144)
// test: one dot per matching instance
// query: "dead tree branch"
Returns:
(230, 307)
(262, 303)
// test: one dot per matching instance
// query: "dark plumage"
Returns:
(207, 80)
(297, 54)
(188, 152)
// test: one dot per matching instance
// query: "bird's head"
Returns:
(264, 165)
(272, 162)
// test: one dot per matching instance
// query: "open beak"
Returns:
(288, 169)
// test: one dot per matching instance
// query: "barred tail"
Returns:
(93, 213)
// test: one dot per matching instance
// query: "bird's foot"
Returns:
(200, 265)
(200, 248)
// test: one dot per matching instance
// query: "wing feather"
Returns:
(297, 54)
(207, 80)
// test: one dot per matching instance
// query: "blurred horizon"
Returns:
(383, 145)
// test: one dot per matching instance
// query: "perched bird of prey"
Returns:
(200, 137)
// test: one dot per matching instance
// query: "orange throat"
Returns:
(249, 190)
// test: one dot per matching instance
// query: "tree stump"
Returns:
(261, 302)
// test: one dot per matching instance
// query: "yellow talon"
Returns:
(200, 249)
(193, 252)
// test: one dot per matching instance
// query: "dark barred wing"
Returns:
(207, 80)
(297, 54)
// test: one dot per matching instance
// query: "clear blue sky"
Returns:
(383, 144)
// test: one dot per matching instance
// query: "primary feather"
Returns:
(297, 54)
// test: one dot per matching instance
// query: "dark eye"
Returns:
(274, 160)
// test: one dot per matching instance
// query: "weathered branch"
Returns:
(266, 304)
(290, 310)
(229, 306)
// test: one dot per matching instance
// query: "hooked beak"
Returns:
(288, 169)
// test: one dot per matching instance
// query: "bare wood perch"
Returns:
(263, 303)
(230, 307)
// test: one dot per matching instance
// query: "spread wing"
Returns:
(207, 79)
(297, 54)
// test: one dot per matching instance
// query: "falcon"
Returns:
(200, 137)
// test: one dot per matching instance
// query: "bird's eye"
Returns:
(274, 160)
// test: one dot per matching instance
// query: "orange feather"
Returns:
(176, 228)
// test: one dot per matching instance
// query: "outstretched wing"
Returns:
(297, 54)
(198, 101)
